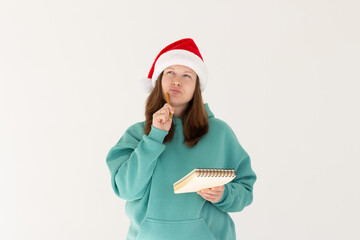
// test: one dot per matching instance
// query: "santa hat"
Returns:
(182, 52)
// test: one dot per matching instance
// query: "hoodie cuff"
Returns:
(157, 134)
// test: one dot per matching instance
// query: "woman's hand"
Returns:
(213, 194)
(162, 119)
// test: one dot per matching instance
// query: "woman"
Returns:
(154, 154)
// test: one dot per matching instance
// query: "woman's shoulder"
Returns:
(221, 129)
(219, 124)
(133, 133)
(136, 128)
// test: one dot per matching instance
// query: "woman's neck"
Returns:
(179, 111)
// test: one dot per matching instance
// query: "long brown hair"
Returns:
(195, 119)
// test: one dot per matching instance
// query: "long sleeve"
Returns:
(239, 193)
(133, 159)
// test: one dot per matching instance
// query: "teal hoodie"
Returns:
(143, 170)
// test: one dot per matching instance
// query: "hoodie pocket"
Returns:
(153, 229)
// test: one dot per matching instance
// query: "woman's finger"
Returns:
(159, 116)
(207, 195)
(163, 118)
(212, 191)
(209, 198)
(218, 189)
(169, 108)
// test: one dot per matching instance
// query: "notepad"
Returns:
(201, 178)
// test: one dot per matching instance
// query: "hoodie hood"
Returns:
(208, 111)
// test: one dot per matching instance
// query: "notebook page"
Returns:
(198, 183)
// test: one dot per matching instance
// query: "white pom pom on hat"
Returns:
(182, 52)
(146, 85)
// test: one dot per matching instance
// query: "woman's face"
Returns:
(179, 81)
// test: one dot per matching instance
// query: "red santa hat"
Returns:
(182, 52)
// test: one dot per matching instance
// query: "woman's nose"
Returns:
(176, 83)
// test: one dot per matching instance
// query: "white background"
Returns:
(283, 74)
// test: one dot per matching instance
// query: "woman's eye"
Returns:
(188, 76)
(170, 72)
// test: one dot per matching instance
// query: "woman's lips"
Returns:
(174, 91)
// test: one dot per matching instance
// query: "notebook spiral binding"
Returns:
(215, 172)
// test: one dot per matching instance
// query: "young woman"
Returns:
(152, 155)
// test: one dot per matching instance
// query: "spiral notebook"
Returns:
(201, 178)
